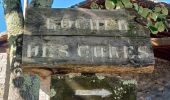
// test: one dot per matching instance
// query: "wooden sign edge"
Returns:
(108, 69)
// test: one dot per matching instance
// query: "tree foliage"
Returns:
(156, 17)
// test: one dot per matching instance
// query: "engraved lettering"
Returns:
(125, 51)
(101, 24)
(111, 24)
(32, 51)
(88, 51)
(91, 24)
(53, 24)
(98, 51)
(123, 25)
(66, 23)
(59, 51)
(44, 49)
(63, 51)
(83, 51)
(131, 52)
(143, 52)
(113, 52)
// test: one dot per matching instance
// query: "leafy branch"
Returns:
(156, 17)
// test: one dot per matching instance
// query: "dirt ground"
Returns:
(155, 86)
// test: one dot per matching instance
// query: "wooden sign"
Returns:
(50, 50)
(92, 88)
(56, 38)
(73, 22)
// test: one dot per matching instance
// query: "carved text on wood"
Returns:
(86, 50)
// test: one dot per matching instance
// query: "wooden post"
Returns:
(14, 21)
(21, 87)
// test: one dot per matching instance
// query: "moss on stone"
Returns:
(65, 88)
(28, 86)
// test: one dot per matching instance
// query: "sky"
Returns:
(56, 4)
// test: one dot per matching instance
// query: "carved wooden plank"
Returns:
(43, 21)
(50, 51)
(158, 42)
(91, 88)
(82, 40)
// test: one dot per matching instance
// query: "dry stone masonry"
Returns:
(3, 66)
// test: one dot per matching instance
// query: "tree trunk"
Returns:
(21, 87)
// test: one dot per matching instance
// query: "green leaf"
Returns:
(127, 3)
(152, 28)
(160, 18)
(149, 24)
(109, 4)
(12, 39)
(94, 6)
(154, 16)
(145, 12)
(115, 1)
(160, 26)
(157, 9)
(164, 11)
(136, 6)
(140, 9)
(119, 5)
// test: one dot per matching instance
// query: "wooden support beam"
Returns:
(44, 72)
(159, 42)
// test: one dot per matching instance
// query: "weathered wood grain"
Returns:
(158, 42)
(55, 51)
(69, 68)
(43, 21)
(75, 40)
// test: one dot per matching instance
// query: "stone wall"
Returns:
(154, 86)
(3, 66)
